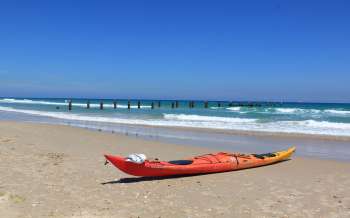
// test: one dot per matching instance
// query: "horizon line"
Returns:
(178, 99)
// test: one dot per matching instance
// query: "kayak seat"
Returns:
(180, 162)
(269, 155)
(262, 156)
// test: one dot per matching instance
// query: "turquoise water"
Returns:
(297, 118)
(304, 118)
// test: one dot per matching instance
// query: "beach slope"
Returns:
(59, 171)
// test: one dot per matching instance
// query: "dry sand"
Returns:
(58, 171)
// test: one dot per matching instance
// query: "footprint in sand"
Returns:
(2, 194)
(5, 140)
(54, 158)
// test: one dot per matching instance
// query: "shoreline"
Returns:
(311, 147)
(153, 140)
(201, 130)
(253, 133)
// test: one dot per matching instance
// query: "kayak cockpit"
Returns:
(181, 162)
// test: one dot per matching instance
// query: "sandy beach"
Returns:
(59, 171)
(259, 88)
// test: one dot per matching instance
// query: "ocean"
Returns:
(316, 119)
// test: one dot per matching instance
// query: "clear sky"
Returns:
(235, 50)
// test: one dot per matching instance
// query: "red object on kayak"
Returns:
(208, 163)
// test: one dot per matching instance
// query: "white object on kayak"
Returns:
(136, 158)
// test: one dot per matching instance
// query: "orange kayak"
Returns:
(208, 163)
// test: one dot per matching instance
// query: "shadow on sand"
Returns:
(145, 179)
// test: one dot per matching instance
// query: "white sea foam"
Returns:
(27, 101)
(234, 108)
(325, 124)
(313, 124)
(296, 111)
(338, 112)
(78, 117)
(197, 121)
(186, 117)
(287, 110)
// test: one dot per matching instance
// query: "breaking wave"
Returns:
(338, 112)
(186, 117)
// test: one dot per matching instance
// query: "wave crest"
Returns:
(185, 117)
(234, 108)
(338, 112)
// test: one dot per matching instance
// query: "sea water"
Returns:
(317, 119)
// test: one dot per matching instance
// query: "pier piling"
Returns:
(70, 105)
(88, 105)
(172, 105)
(101, 105)
(206, 104)
(138, 104)
(159, 104)
(129, 104)
(152, 105)
(177, 104)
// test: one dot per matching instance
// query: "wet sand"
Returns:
(258, 133)
(58, 171)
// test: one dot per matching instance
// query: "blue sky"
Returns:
(234, 50)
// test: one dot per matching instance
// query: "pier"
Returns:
(176, 104)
